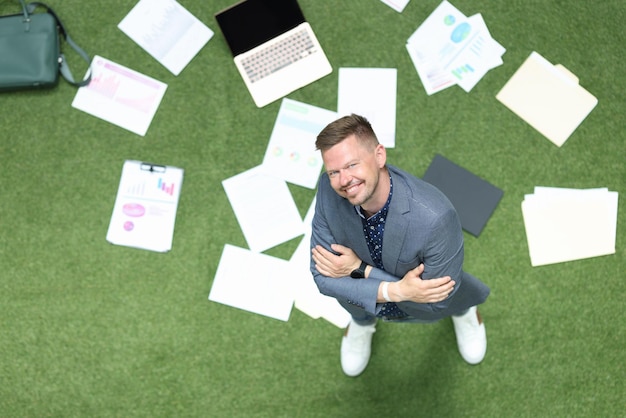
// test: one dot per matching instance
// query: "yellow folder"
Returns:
(548, 97)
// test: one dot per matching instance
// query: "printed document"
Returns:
(449, 48)
(291, 153)
(167, 31)
(145, 207)
(120, 96)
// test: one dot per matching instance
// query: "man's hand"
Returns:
(413, 288)
(335, 265)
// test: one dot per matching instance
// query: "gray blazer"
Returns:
(422, 227)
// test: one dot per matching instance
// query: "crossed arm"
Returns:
(410, 288)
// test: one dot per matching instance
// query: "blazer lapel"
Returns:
(396, 224)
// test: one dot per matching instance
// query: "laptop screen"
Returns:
(250, 23)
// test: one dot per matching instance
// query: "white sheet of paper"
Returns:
(397, 5)
(264, 207)
(291, 153)
(308, 298)
(253, 282)
(570, 225)
(120, 96)
(548, 97)
(167, 31)
(145, 207)
(370, 92)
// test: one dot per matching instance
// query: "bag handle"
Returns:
(26, 17)
(63, 65)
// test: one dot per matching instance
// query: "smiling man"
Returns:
(388, 246)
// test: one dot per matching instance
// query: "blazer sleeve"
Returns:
(358, 292)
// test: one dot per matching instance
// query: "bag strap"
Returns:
(63, 65)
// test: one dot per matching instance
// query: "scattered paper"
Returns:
(291, 153)
(253, 282)
(370, 92)
(448, 48)
(397, 5)
(308, 298)
(120, 96)
(548, 97)
(145, 207)
(264, 207)
(167, 31)
(569, 224)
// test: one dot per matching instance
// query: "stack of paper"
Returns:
(569, 224)
(548, 97)
(449, 48)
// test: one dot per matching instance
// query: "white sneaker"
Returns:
(356, 347)
(471, 336)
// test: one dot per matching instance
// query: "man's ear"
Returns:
(381, 155)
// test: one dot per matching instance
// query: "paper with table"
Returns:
(120, 96)
(449, 48)
(548, 97)
(569, 224)
(167, 31)
(370, 92)
(145, 207)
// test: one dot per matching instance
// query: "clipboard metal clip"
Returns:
(153, 168)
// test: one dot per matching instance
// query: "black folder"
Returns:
(474, 198)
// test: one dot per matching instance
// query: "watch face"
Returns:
(357, 274)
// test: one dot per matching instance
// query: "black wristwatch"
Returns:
(359, 273)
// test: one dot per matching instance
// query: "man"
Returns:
(388, 245)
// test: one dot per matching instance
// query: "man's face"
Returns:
(354, 170)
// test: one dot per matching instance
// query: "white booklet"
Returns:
(145, 207)
(120, 96)
(167, 31)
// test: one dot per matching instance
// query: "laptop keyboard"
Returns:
(278, 55)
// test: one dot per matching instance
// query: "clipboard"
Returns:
(548, 97)
(145, 206)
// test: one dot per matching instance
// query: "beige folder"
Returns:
(548, 97)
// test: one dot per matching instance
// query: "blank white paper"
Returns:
(264, 207)
(253, 282)
(370, 92)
